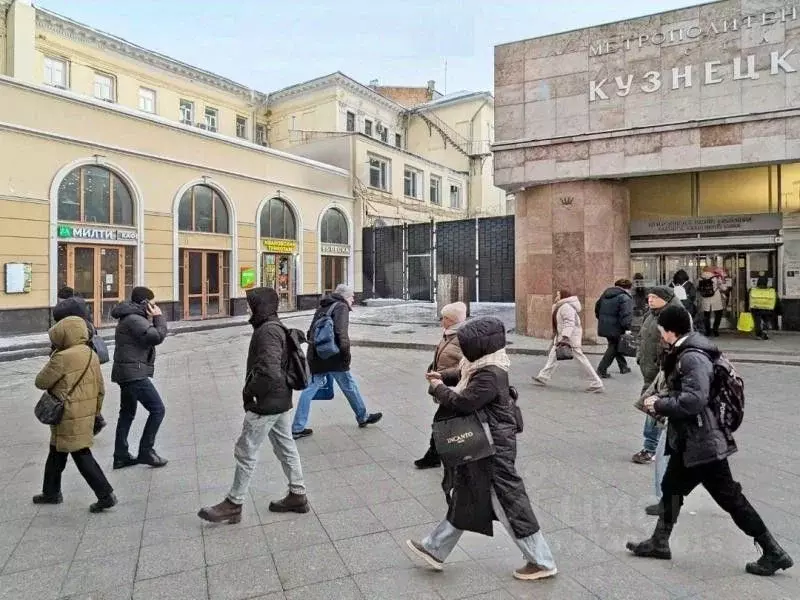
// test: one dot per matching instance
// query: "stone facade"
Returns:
(699, 88)
(571, 236)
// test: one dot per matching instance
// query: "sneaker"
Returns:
(539, 381)
(419, 550)
(301, 434)
(532, 572)
(125, 461)
(643, 457)
(371, 419)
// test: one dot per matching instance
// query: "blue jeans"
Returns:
(348, 385)
(651, 433)
(132, 392)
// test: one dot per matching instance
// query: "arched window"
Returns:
(203, 209)
(334, 227)
(94, 194)
(277, 220)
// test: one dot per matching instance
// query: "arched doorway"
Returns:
(97, 237)
(335, 250)
(204, 227)
(279, 250)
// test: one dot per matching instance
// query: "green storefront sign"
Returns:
(102, 234)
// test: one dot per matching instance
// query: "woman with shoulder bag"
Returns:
(73, 376)
(567, 330)
(482, 490)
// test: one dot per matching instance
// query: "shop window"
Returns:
(277, 221)
(661, 196)
(734, 192)
(334, 227)
(93, 194)
(202, 209)
(790, 188)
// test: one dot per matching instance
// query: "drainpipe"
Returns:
(472, 161)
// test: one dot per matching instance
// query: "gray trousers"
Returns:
(444, 537)
(661, 462)
(255, 430)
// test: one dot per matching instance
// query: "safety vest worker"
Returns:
(763, 298)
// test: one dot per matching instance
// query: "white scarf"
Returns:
(497, 359)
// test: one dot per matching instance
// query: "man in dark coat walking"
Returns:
(698, 447)
(614, 312)
(337, 306)
(140, 329)
(267, 400)
(481, 491)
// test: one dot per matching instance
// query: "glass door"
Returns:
(333, 273)
(84, 280)
(203, 284)
(110, 270)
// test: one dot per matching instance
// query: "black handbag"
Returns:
(628, 345)
(50, 408)
(462, 440)
(98, 344)
(514, 395)
(564, 351)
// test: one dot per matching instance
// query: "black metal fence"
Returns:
(402, 261)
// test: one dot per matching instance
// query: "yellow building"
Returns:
(414, 154)
(120, 167)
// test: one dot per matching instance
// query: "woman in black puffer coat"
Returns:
(489, 489)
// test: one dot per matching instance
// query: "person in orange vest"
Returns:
(763, 303)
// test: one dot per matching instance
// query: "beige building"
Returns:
(123, 167)
(415, 155)
(652, 145)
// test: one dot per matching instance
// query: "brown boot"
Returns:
(297, 503)
(225, 511)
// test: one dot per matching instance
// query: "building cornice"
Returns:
(337, 79)
(78, 32)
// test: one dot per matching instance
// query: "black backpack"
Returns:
(706, 287)
(298, 375)
(727, 394)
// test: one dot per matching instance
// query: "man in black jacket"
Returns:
(267, 403)
(698, 447)
(614, 312)
(140, 329)
(338, 305)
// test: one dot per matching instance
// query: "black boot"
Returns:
(431, 460)
(773, 558)
(103, 503)
(658, 544)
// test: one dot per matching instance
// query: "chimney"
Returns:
(431, 85)
(373, 83)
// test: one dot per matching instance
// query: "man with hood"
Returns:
(614, 312)
(447, 356)
(648, 357)
(698, 447)
(140, 329)
(338, 306)
(267, 401)
(763, 303)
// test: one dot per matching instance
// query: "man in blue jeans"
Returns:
(140, 329)
(338, 305)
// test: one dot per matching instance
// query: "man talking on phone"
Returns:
(140, 329)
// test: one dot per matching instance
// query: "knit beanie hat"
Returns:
(675, 319)
(663, 292)
(140, 294)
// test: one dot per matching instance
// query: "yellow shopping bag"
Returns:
(746, 323)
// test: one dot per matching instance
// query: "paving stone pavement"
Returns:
(367, 498)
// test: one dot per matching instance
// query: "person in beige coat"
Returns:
(567, 329)
(447, 356)
(73, 375)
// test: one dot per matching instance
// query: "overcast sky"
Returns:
(270, 44)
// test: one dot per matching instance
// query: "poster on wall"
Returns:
(791, 281)
(18, 278)
(247, 278)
